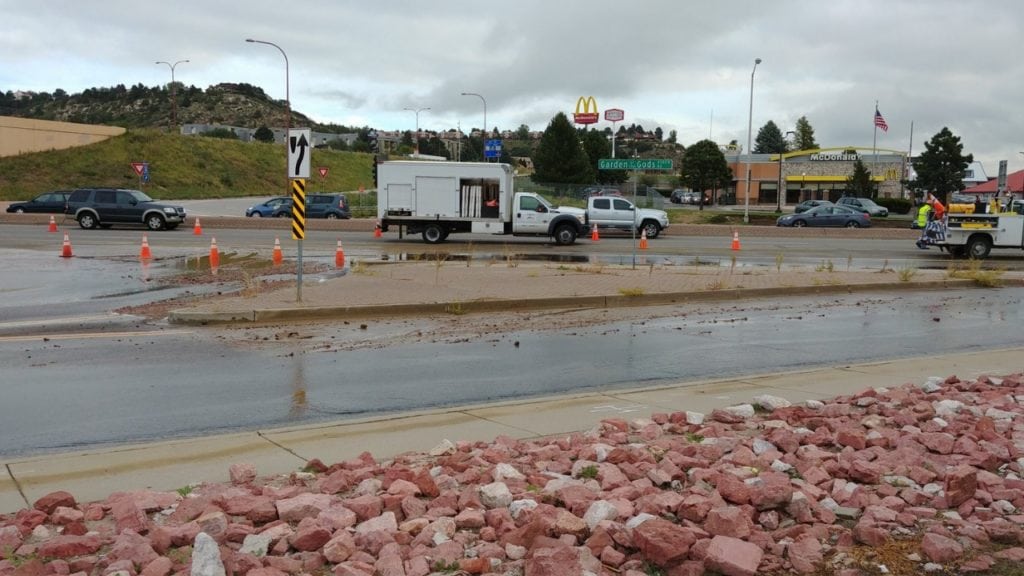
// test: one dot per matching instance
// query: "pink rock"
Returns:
(554, 562)
(695, 507)
(775, 490)
(662, 542)
(310, 537)
(612, 557)
(728, 521)
(340, 547)
(852, 437)
(815, 475)
(353, 568)
(403, 488)
(938, 442)
(805, 553)
(51, 501)
(733, 557)
(867, 532)
(302, 506)
(215, 524)
(732, 488)
(470, 519)
(960, 485)
(68, 546)
(159, 566)
(267, 571)
(866, 472)
(132, 547)
(10, 538)
(386, 522)
(128, 515)
(1011, 554)
(366, 506)
(938, 548)
(242, 474)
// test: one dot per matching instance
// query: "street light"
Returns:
(417, 111)
(778, 194)
(483, 135)
(750, 123)
(287, 96)
(174, 94)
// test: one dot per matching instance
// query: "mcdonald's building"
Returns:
(819, 174)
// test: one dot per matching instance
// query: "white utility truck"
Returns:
(975, 235)
(440, 198)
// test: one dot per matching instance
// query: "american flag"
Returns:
(880, 122)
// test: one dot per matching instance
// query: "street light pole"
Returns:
(778, 194)
(174, 93)
(417, 112)
(483, 135)
(287, 128)
(750, 123)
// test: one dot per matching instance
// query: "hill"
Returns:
(181, 167)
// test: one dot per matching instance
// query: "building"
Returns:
(249, 134)
(1014, 185)
(819, 174)
(24, 135)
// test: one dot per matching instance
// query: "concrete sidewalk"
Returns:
(94, 474)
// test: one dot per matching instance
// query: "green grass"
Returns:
(181, 167)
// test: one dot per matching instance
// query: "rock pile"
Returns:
(750, 489)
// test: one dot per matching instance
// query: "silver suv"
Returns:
(865, 205)
(104, 207)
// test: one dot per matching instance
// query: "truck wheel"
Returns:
(652, 228)
(978, 247)
(433, 234)
(565, 234)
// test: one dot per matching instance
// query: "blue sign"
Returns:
(492, 148)
(145, 172)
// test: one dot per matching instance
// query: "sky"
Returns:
(683, 65)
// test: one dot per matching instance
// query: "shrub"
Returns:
(896, 205)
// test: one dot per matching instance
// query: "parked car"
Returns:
(808, 204)
(273, 208)
(827, 215)
(51, 202)
(328, 206)
(865, 205)
(104, 207)
(678, 196)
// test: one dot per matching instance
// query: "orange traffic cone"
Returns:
(593, 233)
(214, 254)
(339, 256)
(53, 225)
(145, 254)
(66, 250)
(278, 256)
(376, 231)
(643, 240)
(197, 230)
(735, 240)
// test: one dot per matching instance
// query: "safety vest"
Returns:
(922, 215)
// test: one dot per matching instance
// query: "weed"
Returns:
(778, 262)
(563, 268)
(17, 560)
(849, 262)
(885, 267)
(454, 308)
(732, 264)
(359, 267)
(532, 488)
(442, 566)
(694, 438)
(825, 266)
(653, 569)
(650, 269)
(716, 285)
(588, 472)
(907, 273)
(533, 274)
(250, 285)
(631, 292)
(438, 264)
(184, 491)
(974, 271)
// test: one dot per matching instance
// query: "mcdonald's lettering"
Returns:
(586, 111)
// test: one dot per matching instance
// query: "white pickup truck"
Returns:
(617, 213)
(975, 235)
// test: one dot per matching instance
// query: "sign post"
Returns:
(138, 167)
(299, 148)
(634, 164)
(492, 148)
(614, 115)
(323, 176)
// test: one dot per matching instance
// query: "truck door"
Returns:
(531, 217)
(623, 213)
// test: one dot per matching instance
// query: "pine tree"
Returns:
(804, 135)
(560, 158)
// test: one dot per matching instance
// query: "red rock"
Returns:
(340, 547)
(268, 571)
(733, 557)
(815, 475)
(10, 539)
(130, 546)
(938, 548)
(938, 442)
(51, 501)
(128, 515)
(310, 538)
(612, 557)
(26, 520)
(403, 488)
(775, 490)
(852, 437)
(866, 472)
(304, 505)
(728, 521)
(470, 520)
(159, 566)
(553, 562)
(662, 542)
(366, 506)
(68, 546)
(694, 507)
(805, 554)
(732, 488)
(960, 485)
(215, 524)
(242, 474)
(475, 565)
(353, 569)
(867, 532)
(337, 481)
(1011, 554)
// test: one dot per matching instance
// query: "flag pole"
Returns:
(874, 139)
(910, 153)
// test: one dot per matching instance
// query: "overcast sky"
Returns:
(683, 65)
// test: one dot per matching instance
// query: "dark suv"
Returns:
(105, 207)
(327, 206)
(865, 205)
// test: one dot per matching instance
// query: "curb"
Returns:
(190, 317)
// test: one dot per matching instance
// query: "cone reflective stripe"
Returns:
(53, 225)
(197, 230)
(66, 249)
(339, 256)
(593, 233)
(145, 254)
(214, 254)
(735, 240)
(643, 240)
(278, 256)
(376, 230)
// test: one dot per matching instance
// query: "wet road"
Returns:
(97, 389)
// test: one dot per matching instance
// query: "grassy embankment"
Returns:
(181, 167)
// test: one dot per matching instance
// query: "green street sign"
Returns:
(634, 164)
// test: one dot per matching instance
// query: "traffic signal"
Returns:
(374, 170)
(372, 137)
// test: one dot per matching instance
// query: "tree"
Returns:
(769, 140)
(658, 134)
(704, 168)
(523, 132)
(941, 167)
(672, 135)
(804, 135)
(597, 146)
(560, 158)
(859, 183)
(263, 134)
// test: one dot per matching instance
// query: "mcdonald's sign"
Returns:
(586, 111)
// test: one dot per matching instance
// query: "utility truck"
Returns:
(436, 199)
(975, 235)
